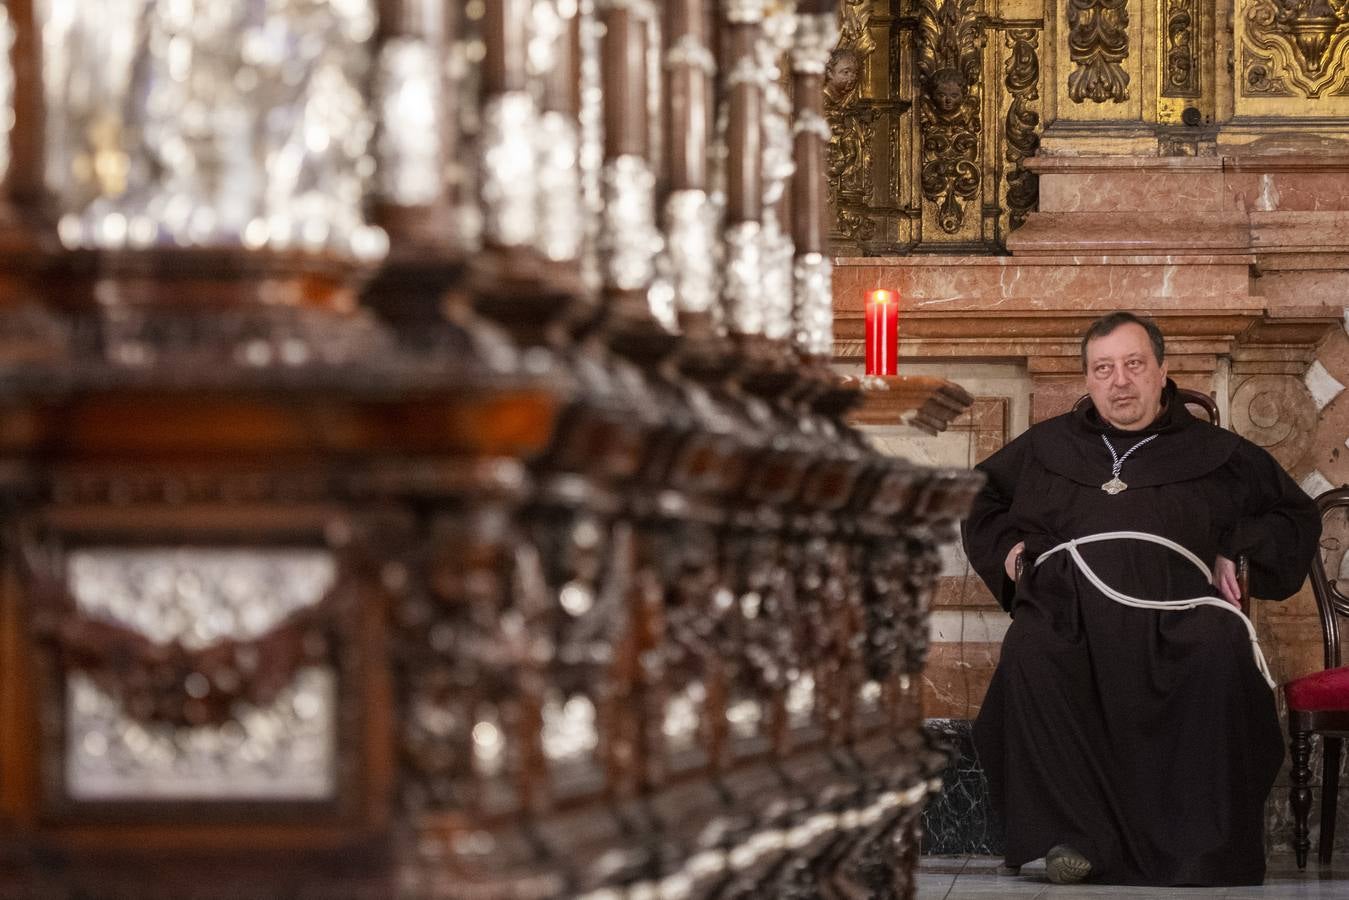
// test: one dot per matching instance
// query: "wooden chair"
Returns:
(1319, 704)
(1206, 404)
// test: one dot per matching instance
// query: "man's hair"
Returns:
(1106, 324)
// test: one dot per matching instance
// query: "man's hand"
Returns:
(1225, 580)
(1010, 565)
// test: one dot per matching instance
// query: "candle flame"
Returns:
(880, 296)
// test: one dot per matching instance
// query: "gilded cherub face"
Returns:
(948, 92)
(843, 72)
(947, 96)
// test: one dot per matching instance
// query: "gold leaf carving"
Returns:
(1098, 42)
(950, 44)
(848, 160)
(1023, 123)
(1295, 43)
(1182, 59)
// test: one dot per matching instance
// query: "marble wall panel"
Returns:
(1314, 287)
(1054, 395)
(952, 284)
(961, 591)
(1148, 191)
(958, 674)
(1265, 191)
(960, 820)
(1330, 445)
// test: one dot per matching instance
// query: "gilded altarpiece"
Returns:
(1292, 58)
(933, 106)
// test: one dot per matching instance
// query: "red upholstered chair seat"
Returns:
(1327, 689)
(1318, 704)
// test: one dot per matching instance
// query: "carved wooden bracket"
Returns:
(923, 401)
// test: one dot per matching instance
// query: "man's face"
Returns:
(1124, 378)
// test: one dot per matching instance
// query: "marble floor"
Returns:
(977, 878)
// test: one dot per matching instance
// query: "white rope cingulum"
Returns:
(1120, 597)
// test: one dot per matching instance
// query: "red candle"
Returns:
(882, 333)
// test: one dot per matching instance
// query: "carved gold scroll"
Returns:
(932, 106)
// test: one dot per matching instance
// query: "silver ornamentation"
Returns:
(742, 288)
(745, 71)
(196, 597)
(779, 30)
(559, 188)
(642, 9)
(800, 702)
(461, 169)
(779, 163)
(746, 717)
(198, 123)
(692, 252)
(509, 188)
(489, 745)
(409, 147)
(703, 867)
(1115, 485)
(808, 121)
(814, 311)
(660, 297)
(869, 694)
(655, 86)
(284, 751)
(6, 87)
(546, 28)
(688, 51)
(569, 731)
(683, 714)
(816, 36)
(776, 280)
(779, 160)
(744, 12)
(590, 157)
(629, 240)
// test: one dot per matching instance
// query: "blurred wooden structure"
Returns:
(421, 472)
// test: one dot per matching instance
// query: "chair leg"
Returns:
(1300, 793)
(1330, 790)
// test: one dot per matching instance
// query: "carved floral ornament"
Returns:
(852, 125)
(1182, 49)
(1023, 122)
(1295, 47)
(950, 48)
(948, 128)
(1098, 43)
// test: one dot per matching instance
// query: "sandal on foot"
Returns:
(1064, 865)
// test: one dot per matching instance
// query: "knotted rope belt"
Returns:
(1120, 597)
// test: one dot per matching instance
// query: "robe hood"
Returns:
(1185, 447)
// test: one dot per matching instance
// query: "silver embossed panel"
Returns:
(6, 86)
(198, 596)
(218, 123)
(283, 752)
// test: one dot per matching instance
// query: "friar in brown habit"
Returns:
(1129, 733)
